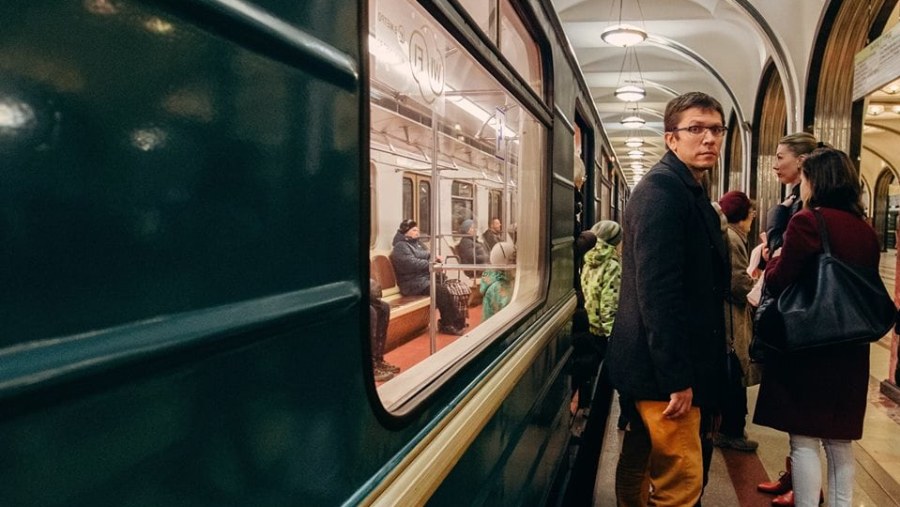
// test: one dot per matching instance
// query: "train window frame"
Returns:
(412, 204)
(474, 133)
(531, 68)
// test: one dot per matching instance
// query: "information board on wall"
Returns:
(877, 64)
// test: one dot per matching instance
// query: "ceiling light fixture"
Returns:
(623, 35)
(635, 154)
(634, 142)
(633, 122)
(875, 109)
(637, 166)
(630, 88)
(630, 93)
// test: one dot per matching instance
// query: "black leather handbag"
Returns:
(835, 303)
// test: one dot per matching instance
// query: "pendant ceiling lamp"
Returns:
(631, 85)
(621, 34)
(633, 122)
(634, 142)
(630, 93)
(635, 154)
(632, 119)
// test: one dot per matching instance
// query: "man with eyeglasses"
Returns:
(666, 354)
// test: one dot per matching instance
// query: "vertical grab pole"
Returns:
(435, 234)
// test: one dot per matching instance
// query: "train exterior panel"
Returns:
(192, 193)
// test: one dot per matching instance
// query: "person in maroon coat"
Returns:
(818, 396)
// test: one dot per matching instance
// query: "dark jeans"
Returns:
(379, 318)
(734, 412)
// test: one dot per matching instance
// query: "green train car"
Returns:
(195, 196)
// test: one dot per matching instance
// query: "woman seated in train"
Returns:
(411, 260)
(497, 284)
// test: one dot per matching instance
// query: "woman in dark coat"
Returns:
(411, 261)
(819, 395)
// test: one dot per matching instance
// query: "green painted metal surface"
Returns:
(180, 322)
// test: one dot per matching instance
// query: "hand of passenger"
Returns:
(437, 258)
(765, 253)
(679, 403)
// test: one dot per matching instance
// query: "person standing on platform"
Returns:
(788, 157)
(667, 349)
(818, 396)
(789, 154)
(739, 212)
(601, 276)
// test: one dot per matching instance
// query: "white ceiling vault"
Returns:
(720, 47)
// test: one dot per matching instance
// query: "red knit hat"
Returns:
(735, 205)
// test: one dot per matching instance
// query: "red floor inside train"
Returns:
(418, 348)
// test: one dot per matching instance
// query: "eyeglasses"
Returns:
(699, 130)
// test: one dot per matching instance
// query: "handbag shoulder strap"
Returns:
(823, 232)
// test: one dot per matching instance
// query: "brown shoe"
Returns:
(782, 485)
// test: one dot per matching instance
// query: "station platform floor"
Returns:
(734, 475)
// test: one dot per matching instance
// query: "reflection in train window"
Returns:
(449, 144)
(462, 202)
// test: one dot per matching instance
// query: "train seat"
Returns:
(409, 314)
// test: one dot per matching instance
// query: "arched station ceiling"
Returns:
(717, 46)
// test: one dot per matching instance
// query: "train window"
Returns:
(495, 204)
(484, 13)
(449, 144)
(417, 206)
(513, 40)
(461, 202)
(519, 47)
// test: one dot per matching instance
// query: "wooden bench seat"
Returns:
(409, 314)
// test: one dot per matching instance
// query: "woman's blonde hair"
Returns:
(800, 143)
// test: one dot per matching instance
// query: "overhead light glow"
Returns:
(635, 154)
(623, 35)
(876, 109)
(637, 166)
(630, 93)
(633, 122)
(634, 142)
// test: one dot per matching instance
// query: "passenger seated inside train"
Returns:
(491, 235)
(379, 317)
(470, 251)
(411, 260)
(497, 283)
